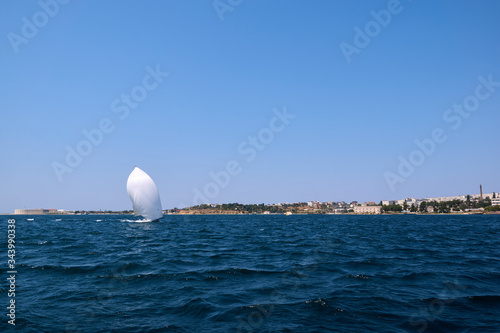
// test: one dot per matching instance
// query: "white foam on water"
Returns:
(136, 221)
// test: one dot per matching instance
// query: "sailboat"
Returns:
(144, 195)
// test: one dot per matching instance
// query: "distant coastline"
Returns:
(482, 203)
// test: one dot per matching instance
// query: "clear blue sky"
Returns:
(352, 119)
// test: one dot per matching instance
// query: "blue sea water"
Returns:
(257, 273)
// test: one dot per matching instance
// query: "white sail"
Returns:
(144, 195)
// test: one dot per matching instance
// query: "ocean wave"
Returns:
(136, 221)
(242, 272)
(197, 307)
(357, 276)
(68, 269)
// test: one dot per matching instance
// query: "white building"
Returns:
(31, 211)
(368, 210)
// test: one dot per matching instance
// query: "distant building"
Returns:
(31, 211)
(495, 202)
(388, 202)
(37, 211)
(442, 199)
(314, 204)
(474, 210)
(409, 202)
(368, 209)
(412, 201)
(458, 197)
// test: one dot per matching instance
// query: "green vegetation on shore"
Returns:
(237, 208)
(444, 207)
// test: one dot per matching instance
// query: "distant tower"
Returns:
(481, 191)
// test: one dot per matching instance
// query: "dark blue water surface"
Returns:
(264, 273)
